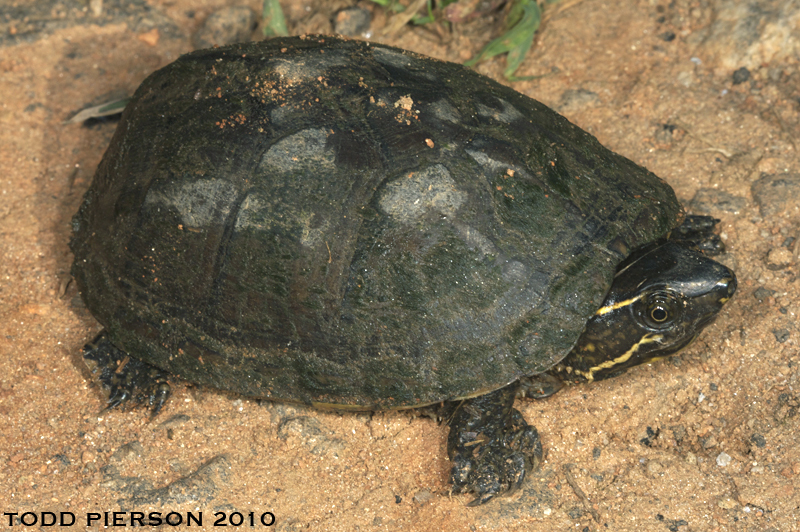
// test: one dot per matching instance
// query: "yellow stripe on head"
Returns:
(615, 306)
(646, 339)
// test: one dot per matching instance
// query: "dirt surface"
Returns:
(707, 441)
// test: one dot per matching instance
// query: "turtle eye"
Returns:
(661, 311)
(658, 313)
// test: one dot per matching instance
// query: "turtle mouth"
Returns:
(680, 346)
(704, 322)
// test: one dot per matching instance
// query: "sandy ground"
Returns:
(707, 441)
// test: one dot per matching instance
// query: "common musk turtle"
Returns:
(350, 225)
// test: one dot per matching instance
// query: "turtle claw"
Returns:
(126, 380)
(159, 397)
(118, 398)
(491, 446)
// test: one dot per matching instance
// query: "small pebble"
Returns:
(759, 440)
(352, 21)
(726, 503)
(422, 496)
(724, 459)
(779, 258)
(741, 75)
(774, 193)
(225, 26)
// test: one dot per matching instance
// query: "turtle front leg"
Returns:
(124, 378)
(490, 445)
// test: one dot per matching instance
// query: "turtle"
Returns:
(349, 225)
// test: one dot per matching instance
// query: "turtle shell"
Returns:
(340, 222)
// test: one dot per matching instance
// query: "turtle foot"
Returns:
(491, 446)
(126, 380)
(697, 232)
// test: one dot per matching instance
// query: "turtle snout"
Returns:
(726, 287)
(709, 305)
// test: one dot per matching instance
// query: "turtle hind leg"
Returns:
(491, 446)
(125, 379)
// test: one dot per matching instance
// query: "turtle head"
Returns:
(662, 297)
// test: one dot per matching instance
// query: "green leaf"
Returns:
(104, 109)
(274, 22)
(523, 19)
